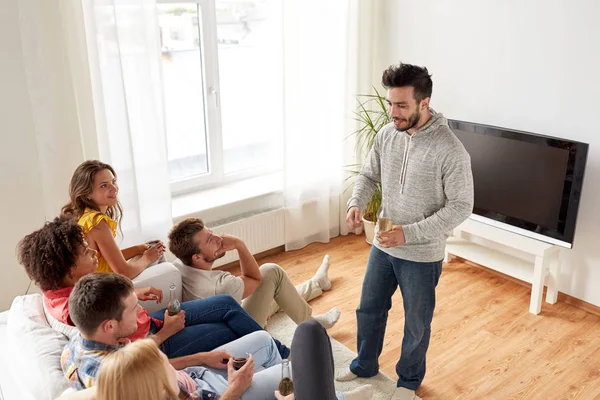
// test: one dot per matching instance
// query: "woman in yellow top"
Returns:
(95, 204)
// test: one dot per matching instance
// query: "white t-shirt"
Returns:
(199, 283)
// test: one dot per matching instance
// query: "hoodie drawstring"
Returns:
(407, 141)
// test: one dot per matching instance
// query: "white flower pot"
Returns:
(369, 230)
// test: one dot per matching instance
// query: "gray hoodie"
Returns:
(427, 186)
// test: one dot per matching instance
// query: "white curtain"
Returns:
(365, 65)
(54, 63)
(315, 71)
(124, 50)
(328, 59)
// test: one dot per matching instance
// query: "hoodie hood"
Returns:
(436, 121)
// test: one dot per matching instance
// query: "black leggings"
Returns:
(312, 359)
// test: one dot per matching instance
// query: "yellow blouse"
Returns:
(88, 221)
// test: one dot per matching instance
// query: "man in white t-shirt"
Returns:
(262, 291)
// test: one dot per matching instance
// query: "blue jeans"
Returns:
(267, 368)
(210, 323)
(417, 283)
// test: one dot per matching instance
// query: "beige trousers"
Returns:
(278, 292)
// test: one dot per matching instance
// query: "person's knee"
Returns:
(226, 300)
(374, 303)
(271, 271)
(261, 337)
(311, 345)
(310, 330)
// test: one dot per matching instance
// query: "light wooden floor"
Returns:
(485, 344)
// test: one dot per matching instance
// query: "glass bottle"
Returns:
(286, 386)
(174, 306)
(384, 222)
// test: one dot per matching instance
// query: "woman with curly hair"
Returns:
(94, 203)
(55, 257)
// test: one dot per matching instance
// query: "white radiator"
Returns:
(260, 232)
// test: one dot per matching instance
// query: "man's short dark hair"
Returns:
(97, 298)
(408, 75)
(181, 239)
(49, 253)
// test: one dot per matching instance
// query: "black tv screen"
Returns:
(525, 180)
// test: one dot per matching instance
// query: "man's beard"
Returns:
(212, 259)
(123, 334)
(413, 120)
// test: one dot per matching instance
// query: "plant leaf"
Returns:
(372, 115)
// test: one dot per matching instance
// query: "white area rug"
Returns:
(282, 328)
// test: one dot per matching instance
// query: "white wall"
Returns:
(40, 136)
(21, 210)
(528, 65)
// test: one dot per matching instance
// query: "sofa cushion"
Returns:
(35, 349)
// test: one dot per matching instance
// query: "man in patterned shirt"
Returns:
(104, 309)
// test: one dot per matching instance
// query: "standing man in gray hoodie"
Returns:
(427, 190)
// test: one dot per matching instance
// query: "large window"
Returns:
(223, 89)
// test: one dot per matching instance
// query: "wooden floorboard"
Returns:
(484, 345)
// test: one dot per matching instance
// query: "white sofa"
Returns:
(30, 349)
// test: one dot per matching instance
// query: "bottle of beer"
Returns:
(286, 386)
(174, 306)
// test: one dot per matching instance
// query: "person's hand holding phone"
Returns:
(155, 249)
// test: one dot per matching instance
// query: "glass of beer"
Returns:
(385, 224)
(239, 363)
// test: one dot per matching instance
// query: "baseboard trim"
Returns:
(262, 254)
(573, 301)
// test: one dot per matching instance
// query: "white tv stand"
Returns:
(546, 262)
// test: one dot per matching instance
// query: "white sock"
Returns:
(403, 393)
(364, 392)
(329, 319)
(344, 375)
(321, 276)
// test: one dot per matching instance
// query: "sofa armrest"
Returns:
(159, 276)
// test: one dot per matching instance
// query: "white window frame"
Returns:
(211, 93)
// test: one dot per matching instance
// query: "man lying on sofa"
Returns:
(261, 290)
(56, 257)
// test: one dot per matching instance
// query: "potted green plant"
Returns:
(371, 115)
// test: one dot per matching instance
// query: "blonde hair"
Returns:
(135, 372)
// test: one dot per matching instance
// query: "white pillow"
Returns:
(35, 349)
(67, 330)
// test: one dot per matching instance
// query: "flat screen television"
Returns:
(524, 182)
